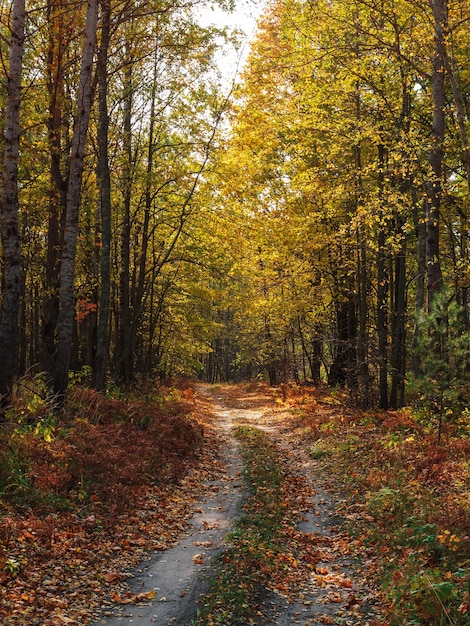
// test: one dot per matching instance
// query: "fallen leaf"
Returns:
(210, 525)
(112, 577)
(133, 598)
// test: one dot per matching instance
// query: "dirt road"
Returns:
(172, 584)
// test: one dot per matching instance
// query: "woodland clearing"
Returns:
(350, 524)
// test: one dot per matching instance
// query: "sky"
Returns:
(244, 15)
(243, 18)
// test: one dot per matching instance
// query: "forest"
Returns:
(284, 237)
(308, 222)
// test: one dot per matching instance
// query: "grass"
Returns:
(256, 543)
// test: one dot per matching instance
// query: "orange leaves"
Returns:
(134, 598)
(112, 577)
(59, 619)
(324, 578)
(406, 498)
(56, 567)
(27, 535)
(210, 525)
(84, 307)
(198, 559)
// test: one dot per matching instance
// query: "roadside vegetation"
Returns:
(86, 495)
(257, 558)
(406, 486)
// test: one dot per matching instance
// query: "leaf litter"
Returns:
(65, 569)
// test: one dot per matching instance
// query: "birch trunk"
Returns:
(9, 208)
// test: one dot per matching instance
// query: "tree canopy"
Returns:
(310, 225)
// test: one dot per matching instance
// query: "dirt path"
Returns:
(173, 582)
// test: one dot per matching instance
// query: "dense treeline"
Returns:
(349, 162)
(118, 104)
(325, 237)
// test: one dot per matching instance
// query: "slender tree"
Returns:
(67, 271)
(9, 207)
(56, 45)
(436, 154)
(102, 346)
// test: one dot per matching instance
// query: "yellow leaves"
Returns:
(447, 538)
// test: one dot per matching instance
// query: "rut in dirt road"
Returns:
(318, 580)
(172, 584)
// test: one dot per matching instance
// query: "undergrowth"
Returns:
(100, 453)
(406, 497)
(87, 493)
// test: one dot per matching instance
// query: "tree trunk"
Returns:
(313, 356)
(142, 282)
(362, 344)
(9, 208)
(58, 188)
(344, 368)
(382, 293)
(102, 343)
(124, 358)
(397, 359)
(434, 184)
(67, 270)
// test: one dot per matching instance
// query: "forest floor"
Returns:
(290, 508)
(328, 588)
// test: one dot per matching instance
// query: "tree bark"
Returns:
(102, 344)
(142, 281)
(343, 370)
(9, 208)
(67, 271)
(397, 358)
(434, 184)
(124, 356)
(58, 186)
(382, 293)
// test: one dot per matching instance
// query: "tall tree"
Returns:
(59, 33)
(434, 187)
(102, 346)
(67, 270)
(9, 207)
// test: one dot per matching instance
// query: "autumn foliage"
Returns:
(106, 471)
(113, 448)
(406, 500)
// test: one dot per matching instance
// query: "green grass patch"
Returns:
(256, 542)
